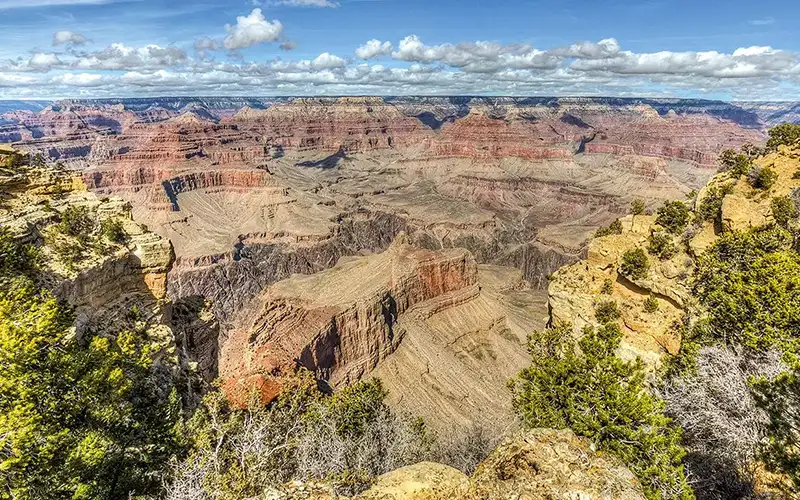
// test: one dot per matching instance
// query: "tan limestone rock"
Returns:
(541, 464)
(546, 464)
(423, 481)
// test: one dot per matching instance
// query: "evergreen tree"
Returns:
(584, 386)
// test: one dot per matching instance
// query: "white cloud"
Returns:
(374, 48)
(475, 57)
(608, 47)
(762, 22)
(65, 37)
(78, 80)
(15, 80)
(252, 30)
(754, 50)
(118, 56)
(288, 45)
(43, 62)
(327, 61)
(480, 67)
(205, 45)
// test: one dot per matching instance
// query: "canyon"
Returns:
(409, 238)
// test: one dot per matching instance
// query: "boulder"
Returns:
(423, 481)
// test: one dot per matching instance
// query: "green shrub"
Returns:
(651, 304)
(590, 390)
(113, 231)
(780, 399)
(79, 418)
(69, 252)
(76, 222)
(634, 264)
(711, 204)
(786, 134)
(608, 287)
(661, 245)
(762, 178)
(606, 311)
(613, 228)
(637, 207)
(673, 216)
(748, 283)
(737, 164)
(783, 210)
(15, 260)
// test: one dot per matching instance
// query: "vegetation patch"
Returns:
(635, 264)
(584, 386)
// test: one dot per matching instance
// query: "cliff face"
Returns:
(404, 315)
(336, 326)
(112, 284)
(351, 124)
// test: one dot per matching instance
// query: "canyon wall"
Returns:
(251, 191)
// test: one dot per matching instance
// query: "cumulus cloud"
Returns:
(748, 62)
(78, 80)
(475, 57)
(118, 56)
(327, 61)
(252, 29)
(43, 62)
(288, 45)
(481, 67)
(65, 37)
(608, 47)
(374, 48)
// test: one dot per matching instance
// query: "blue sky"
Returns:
(710, 49)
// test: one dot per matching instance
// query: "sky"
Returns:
(730, 50)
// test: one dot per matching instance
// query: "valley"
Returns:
(253, 192)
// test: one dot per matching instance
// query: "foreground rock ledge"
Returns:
(538, 464)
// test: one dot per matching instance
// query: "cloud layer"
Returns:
(223, 63)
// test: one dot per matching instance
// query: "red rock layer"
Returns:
(479, 136)
(694, 138)
(348, 123)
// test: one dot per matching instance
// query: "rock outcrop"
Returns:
(576, 290)
(112, 283)
(541, 464)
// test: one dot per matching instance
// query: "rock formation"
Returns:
(541, 464)
(403, 315)
(113, 285)
(576, 290)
